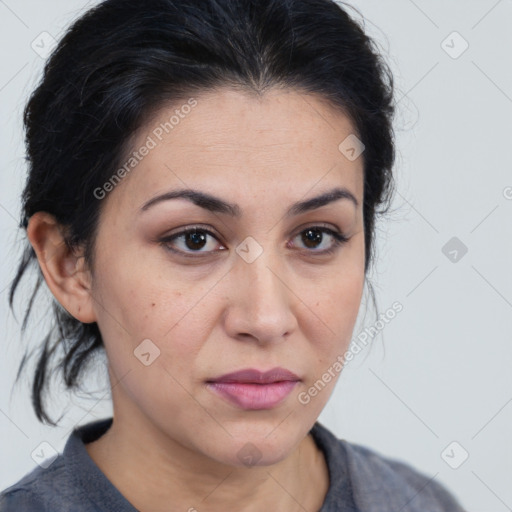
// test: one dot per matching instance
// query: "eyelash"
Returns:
(339, 240)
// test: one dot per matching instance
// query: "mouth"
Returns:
(251, 389)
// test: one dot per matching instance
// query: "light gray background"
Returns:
(440, 371)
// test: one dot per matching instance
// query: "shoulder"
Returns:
(68, 481)
(55, 487)
(397, 481)
(379, 483)
(16, 499)
(31, 493)
(58, 483)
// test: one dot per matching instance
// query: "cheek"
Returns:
(152, 340)
(136, 302)
(339, 314)
(329, 336)
(335, 304)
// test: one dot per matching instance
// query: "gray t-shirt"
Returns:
(361, 480)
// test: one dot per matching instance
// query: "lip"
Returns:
(250, 375)
(252, 389)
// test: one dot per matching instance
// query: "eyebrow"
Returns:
(215, 204)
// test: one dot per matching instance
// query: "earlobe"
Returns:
(64, 271)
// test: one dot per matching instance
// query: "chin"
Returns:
(258, 448)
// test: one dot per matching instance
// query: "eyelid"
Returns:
(308, 225)
(192, 227)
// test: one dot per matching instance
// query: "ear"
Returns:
(64, 271)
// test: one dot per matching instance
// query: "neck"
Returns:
(151, 471)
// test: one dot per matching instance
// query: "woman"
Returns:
(204, 183)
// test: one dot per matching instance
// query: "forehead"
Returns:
(282, 143)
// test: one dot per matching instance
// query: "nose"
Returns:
(261, 305)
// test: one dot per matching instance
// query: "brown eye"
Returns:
(312, 238)
(321, 240)
(195, 240)
(190, 241)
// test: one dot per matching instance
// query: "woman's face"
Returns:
(253, 288)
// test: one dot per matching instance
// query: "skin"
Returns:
(174, 441)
